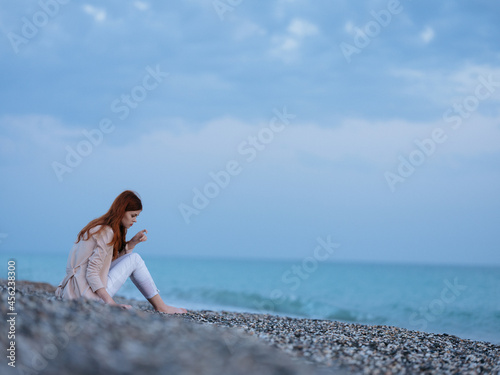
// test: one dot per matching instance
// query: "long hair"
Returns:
(126, 201)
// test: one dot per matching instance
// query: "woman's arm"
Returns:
(96, 260)
(95, 264)
(139, 237)
(127, 249)
(104, 295)
(94, 267)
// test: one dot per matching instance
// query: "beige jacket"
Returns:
(88, 266)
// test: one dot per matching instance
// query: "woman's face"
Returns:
(130, 218)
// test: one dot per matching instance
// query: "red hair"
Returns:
(126, 201)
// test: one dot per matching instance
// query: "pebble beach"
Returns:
(81, 337)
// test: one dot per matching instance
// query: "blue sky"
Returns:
(250, 129)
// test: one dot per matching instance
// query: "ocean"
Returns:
(457, 300)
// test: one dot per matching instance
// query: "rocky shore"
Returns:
(83, 337)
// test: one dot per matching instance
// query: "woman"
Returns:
(101, 261)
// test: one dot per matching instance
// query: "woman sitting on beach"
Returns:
(101, 261)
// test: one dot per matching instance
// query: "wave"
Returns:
(254, 302)
(289, 305)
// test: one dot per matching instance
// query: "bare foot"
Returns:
(171, 310)
(161, 306)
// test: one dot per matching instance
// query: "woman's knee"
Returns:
(136, 258)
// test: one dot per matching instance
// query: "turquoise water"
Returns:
(463, 301)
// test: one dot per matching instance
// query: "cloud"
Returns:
(427, 35)
(466, 78)
(195, 153)
(445, 87)
(375, 144)
(350, 28)
(246, 29)
(98, 14)
(282, 7)
(301, 28)
(286, 46)
(141, 5)
(30, 141)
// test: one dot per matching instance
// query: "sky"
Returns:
(255, 129)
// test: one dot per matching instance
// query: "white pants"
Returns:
(130, 265)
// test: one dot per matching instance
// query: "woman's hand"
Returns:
(103, 293)
(139, 237)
